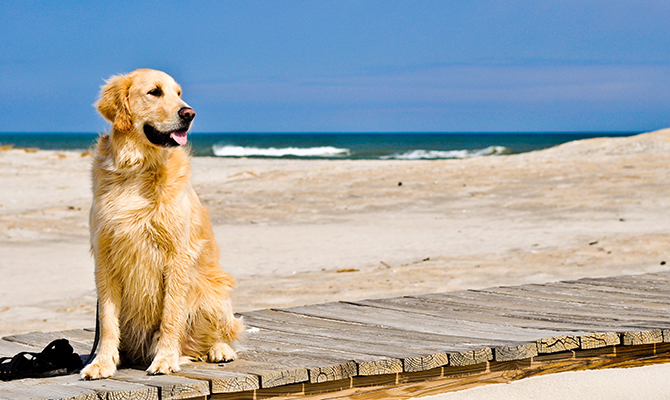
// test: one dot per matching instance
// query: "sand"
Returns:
(298, 232)
(642, 383)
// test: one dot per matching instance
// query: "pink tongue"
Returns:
(180, 137)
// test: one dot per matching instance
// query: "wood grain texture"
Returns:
(221, 381)
(557, 344)
(273, 372)
(43, 389)
(366, 334)
(480, 310)
(470, 358)
(170, 387)
(512, 353)
(560, 311)
(361, 352)
(642, 337)
(109, 389)
(80, 339)
(418, 322)
(342, 371)
(597, 340)
(9, 349)
(318, 362)
(423, 363)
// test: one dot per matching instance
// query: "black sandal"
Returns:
(58, 358)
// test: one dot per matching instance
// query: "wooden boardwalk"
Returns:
(401, 347)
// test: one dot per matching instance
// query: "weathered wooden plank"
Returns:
(43, 389)
(18, 396)
(321, 363)
(661, 276)
(271, 375)
(286, 354)
(9, 349)
(80, 339)
(415, 360)
(371, 358)
(596, 292)
(431, 348)
(598, 340)
(545, 345)
(221, 381)
(642, 337)
(629, 283)
(512, 353)
(475, 357)
(346, 344)
(527, 304)
(170, 387)
(542, 323)
(575, 310)
(387, 366)
(333, 374)
(520, 315)
(424, 363)
(571, 294)
(582, 293)
(363, 333)
(416, 351)
(601, 295)
(109, 389)
(596, 321)
(557, 344)
(421, 323)
(317, 362)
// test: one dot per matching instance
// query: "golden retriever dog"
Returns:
(161, 292)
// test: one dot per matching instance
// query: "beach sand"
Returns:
(299, 232)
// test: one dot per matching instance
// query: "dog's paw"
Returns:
(221, 352)
(164, 365)
(98, 369)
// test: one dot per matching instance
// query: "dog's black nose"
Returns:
(186, 113)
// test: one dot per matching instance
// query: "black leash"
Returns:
(97, 336)
(57, 358)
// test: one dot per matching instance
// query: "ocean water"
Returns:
(402, 146)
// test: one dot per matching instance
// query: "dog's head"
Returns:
(148, 103)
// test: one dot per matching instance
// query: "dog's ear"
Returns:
(113, 102)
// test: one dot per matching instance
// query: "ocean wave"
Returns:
(447, 154)
(314, 152)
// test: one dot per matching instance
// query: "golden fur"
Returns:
(161, 291)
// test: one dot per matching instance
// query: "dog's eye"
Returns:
(156, 92)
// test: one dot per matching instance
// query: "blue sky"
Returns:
(347, 66)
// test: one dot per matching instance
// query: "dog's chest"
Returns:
(143, 220)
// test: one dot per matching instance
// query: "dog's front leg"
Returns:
(107, 359)
(168, 349)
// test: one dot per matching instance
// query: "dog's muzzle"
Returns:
(177, 137)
